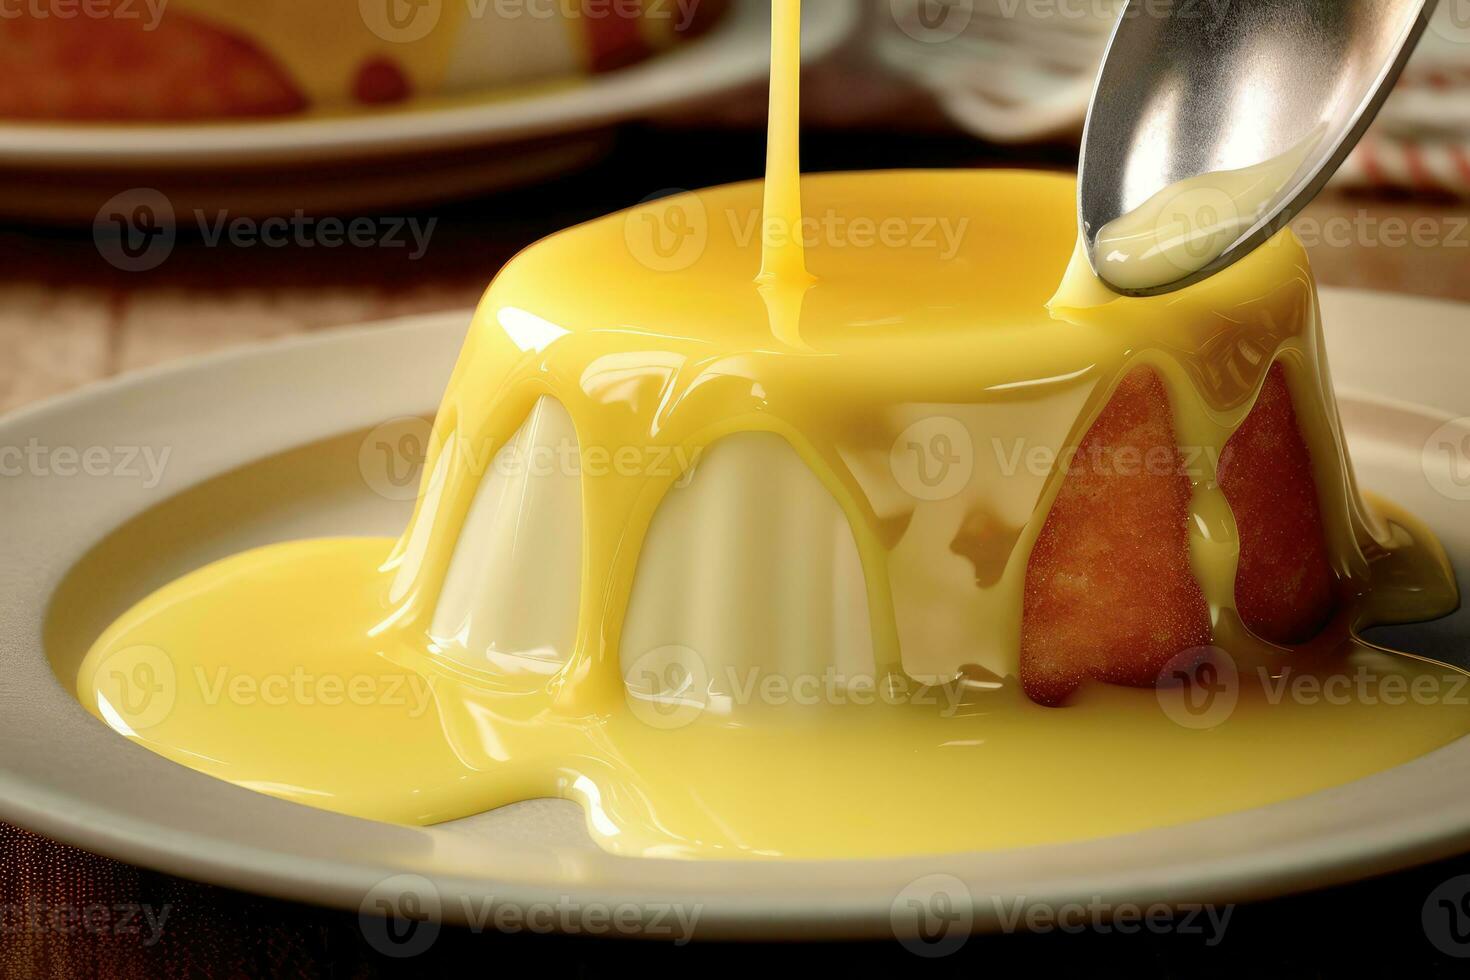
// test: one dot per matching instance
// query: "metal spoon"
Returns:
(1195, 88)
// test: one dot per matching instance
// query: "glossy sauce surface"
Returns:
(914, 295)
(1186, 226)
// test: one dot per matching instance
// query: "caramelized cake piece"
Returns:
(1285, 588)
(113, 69)
(1110, 594)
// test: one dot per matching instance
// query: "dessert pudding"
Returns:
(811, 519)
(186, 60)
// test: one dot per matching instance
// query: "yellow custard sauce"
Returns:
(1188, 225)
(696, 547)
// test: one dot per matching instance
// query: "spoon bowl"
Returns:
(1200, 88)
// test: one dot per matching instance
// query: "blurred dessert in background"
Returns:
(192, 60)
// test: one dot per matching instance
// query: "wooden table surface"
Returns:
(68, 318)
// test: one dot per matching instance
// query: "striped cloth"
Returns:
(1421, 142)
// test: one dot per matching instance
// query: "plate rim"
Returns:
(730, 55)
(780, 899)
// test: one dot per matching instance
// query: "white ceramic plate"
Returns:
(264, 447)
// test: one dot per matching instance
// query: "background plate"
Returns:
(421, 153)
(735, 52)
